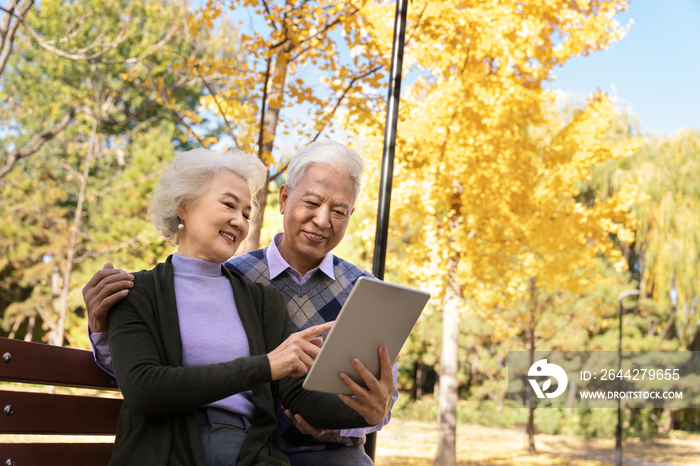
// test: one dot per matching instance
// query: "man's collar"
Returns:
(277, 264)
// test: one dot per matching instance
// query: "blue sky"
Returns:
(654, 69)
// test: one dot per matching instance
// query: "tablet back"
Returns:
(376, 313)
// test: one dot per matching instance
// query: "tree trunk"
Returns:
(59, 331)
(270, 120)
(531, 429)
(668, 331)
(417, 392)
(667, 427)
(449, 362)
(8, 26)
(29, 336)
(531, 346)
(15, 327)
(694, 344)
(256, 223)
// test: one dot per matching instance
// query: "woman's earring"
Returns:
(181, 227)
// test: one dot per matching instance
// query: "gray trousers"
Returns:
(222, 433)
(353, 455)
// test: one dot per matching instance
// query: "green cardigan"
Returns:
(158, 423)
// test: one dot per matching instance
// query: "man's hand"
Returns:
(303, 426)
(373, 402)
(105, 288)
(297, 353)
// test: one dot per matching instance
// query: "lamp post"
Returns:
(618, 428)
(390, 127)
(392, 120)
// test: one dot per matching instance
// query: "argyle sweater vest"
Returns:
(317, 301)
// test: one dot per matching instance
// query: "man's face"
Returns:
(316, 215)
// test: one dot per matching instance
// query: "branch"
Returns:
(154, 49)
(267, 10)
(45, 45)
(327, 118)
(327, 26)
(14, 156)
(7, 34)
(218, 105)
(69, 34)
(449, 126)
(669, 323)
(43, 316)
(6, 18)
(42, 138)
(261, 133)
(164, 98)
(420, 16)
(281, 170)
(95, 44)
(301, 52)
(317, 33)
(66, 166)
(135, 241)
(134, 182)
(140, 125)
(106, 121)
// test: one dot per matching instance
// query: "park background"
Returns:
(533, 184)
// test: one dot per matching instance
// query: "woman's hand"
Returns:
(297, 353)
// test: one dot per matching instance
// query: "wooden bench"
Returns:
(56, 414)
(31, 414)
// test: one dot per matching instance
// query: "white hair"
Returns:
(190, 175)
(331, 154)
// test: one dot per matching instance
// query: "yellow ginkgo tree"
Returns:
(318, 56)
(488, 168)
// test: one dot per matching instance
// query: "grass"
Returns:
(404, 442)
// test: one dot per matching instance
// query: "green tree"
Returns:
(97, 111)
(666, 254)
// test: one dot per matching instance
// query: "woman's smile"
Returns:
(230, 237)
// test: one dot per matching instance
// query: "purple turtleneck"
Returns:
(210, 326)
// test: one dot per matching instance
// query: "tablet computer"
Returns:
(376, 313)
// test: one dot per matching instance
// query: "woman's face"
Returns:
(218, 222)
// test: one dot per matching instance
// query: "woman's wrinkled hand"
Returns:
(297, 353)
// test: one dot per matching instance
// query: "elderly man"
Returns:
(323, 183)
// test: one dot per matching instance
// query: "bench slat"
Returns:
(51, 365)
(56, 454)
(44, 413)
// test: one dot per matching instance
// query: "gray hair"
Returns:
(331, 154)
(190, 175)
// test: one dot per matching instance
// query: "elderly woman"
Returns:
(201, 354)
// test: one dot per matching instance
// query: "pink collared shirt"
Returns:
(277, 265)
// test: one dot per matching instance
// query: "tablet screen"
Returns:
(376, 313)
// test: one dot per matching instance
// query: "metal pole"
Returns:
(392, 119)
(618, 427)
